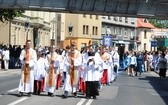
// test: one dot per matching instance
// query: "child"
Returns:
(39, 72)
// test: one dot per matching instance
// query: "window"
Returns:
(83, 45)
(126, 20)
(132, 34)
(90, 16)
(84, 15)
(115, 31)
(125, 33)
(87, 30)
(96, 31)
(84, 28)
(109, 18)
(132, 20)
(103, 17)
(120, 31)
(97, 17)
(120, 19)
(144, 46)
(145, 34)
(93, 30)
(115, 18)
(145, 21)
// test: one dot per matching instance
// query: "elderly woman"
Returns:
(140, 62)
(5, 54)
(162, 65)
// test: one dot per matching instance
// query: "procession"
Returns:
(71, 70)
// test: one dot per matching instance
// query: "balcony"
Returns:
(135, 38)
(37, 22)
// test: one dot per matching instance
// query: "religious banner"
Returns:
(154, 43)
(107, 40)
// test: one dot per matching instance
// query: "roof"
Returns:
(142, 24)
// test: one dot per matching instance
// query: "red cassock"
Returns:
(58, 85)
(82, 86)
(104, 78)
(42, 84)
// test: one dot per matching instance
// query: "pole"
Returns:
(135, 40)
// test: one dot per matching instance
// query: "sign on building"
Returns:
(107, 40)
(154, 43)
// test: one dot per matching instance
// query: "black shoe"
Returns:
(94, 97)
(52, 95)
(29, 94)
(64, 96)
(49, 93)
(87, 97)
(75, 95)
(20, 94)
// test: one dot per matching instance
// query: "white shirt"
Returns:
(133, 61)
(5, 54)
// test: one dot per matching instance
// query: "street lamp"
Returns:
(70, 29)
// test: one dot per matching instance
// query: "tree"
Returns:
(10, 14)
(159, 23)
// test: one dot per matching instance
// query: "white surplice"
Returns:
(39, 69)
(32, 60)
(56, 58)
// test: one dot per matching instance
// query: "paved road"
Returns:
(145, 90)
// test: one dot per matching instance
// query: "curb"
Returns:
(2, 71)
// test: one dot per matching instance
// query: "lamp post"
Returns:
(27, 26)
(70, 28)
(52, 32)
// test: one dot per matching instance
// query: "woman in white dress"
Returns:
(5, 54)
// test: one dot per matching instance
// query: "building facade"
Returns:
(144, 35)
(40, 29)
(85, 28)
(122, 30)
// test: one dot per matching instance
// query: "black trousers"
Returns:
(91, 89)
(37, 86)
(162, 72)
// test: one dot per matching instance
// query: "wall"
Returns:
(4, 32)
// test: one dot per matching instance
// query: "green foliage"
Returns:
(159, 23)
(9, 14)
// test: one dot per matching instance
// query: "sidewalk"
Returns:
(157, 72)
(3, 71)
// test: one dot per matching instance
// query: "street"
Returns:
(148, 89)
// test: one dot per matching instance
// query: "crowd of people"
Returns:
(9, 56)
(47, 69)
(135, 62)
(75, 70)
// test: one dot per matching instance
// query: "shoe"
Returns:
(49, 93)
(88, 97)
(29, 94)
(52, 95)
(64, 96)
(75, 95)
(94, 97)
(20, 94)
